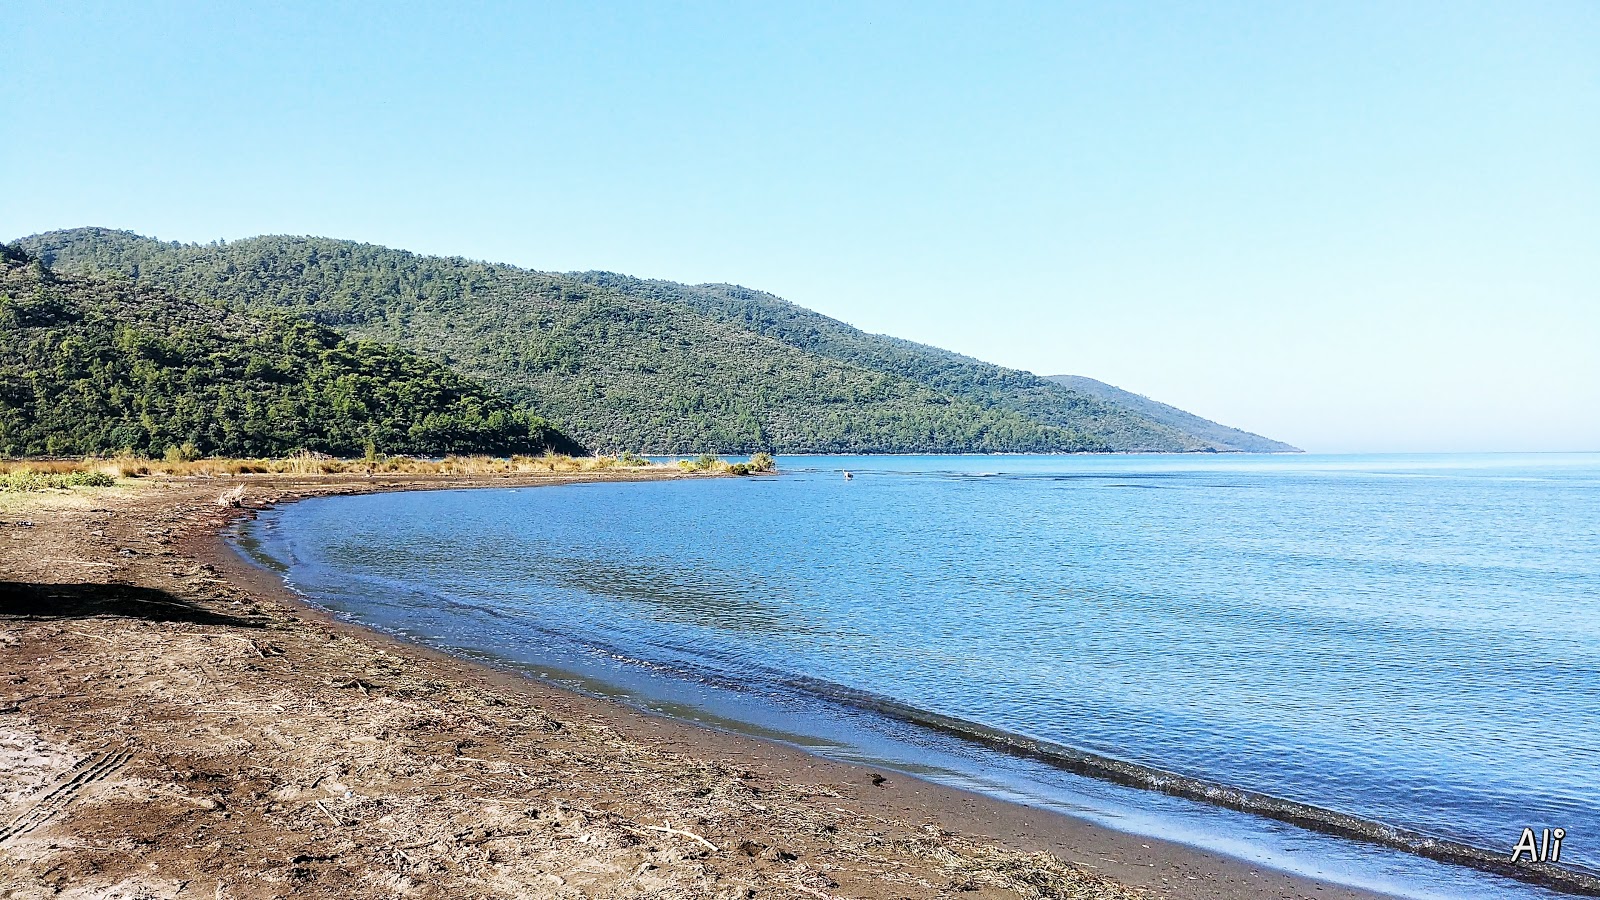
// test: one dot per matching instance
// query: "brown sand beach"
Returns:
(175, 723)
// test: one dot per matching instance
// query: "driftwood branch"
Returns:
(667, 828)
(329, 814)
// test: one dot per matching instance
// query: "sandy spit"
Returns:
(176, 724)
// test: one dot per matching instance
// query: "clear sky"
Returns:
(1351, 226)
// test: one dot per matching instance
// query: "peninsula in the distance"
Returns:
(614, 363)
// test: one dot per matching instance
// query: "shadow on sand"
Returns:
(23, 600)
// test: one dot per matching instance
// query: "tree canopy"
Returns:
(100, 365)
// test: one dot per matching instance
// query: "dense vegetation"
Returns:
(1038, 399)
(621, 363)
(25, 481)
(96, 365)
(1220, 436)
(615, 371)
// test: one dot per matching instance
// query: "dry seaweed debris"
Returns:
(1037, 875)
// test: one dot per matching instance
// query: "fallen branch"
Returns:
(354, 683)
(681, 833)
(330, 815)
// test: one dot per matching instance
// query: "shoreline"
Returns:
(865, 839)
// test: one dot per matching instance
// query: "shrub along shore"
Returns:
(21, 476)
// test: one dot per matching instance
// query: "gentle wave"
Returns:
(1569, 879)
(1339, 644)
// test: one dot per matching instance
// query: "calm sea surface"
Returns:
(1410, 640)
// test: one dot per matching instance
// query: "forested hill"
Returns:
(613, 370)
(624, 363)
(96, 365)
(1171, 415)
(1036, 398)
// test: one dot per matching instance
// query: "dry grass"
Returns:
(317, 464)
(35, 474)
(43, 466)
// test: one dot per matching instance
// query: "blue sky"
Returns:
(1350, 226)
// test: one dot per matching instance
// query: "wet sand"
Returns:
(176, 723)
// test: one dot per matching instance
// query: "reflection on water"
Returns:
(1373, 635)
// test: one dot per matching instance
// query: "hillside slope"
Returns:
(626, 363)
(613, 370)
(95, 365)
(949, 373)
(1219, 435)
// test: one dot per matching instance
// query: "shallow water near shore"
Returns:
(1410, 641)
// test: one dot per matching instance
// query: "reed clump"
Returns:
(712, 464)
(47, 466)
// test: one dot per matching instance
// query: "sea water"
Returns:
(1409, 641)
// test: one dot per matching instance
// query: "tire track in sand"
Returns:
(93, 768)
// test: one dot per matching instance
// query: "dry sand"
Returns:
(174, 723)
